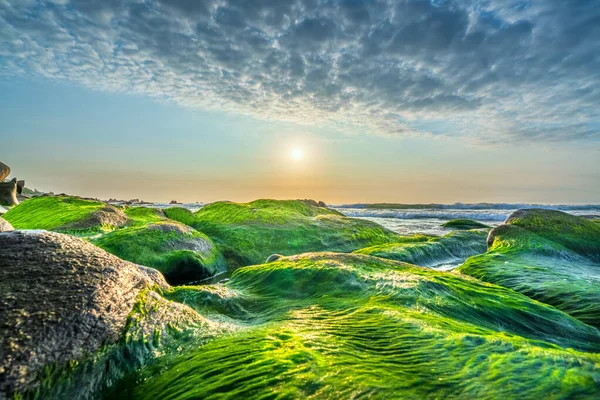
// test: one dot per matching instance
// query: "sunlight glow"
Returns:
(297, 154)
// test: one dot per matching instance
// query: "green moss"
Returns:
(180, 253)
(463, 224)
(144, 215)
(434, 251)
(181, 256)
(576, 233)
(248, 233)
(50, 213)
(557, 266)
(342, 326)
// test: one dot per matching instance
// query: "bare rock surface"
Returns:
(8, 193)
(5, 226)
(4, 171)
(62, 298)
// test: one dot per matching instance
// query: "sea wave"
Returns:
(422, 214)
(471, 206)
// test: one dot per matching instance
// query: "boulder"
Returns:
(5, 226)
(62, 299)
(4, 171)
(8, 193)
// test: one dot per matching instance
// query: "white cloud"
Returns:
(500, 70)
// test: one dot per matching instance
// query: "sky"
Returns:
(346, 101)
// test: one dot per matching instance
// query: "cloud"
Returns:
(495, 70)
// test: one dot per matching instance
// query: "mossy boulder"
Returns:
(64, 213)
(248, 233)
(464, 224)
(330, 325)
(180, 252)
(547, 255)
(137, 234)
(575, 233)
(442, 252)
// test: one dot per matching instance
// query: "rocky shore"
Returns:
(101, 301)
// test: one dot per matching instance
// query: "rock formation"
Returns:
(20, 187)
(4, 171)
(8, 192)
(83, 297)
(5, 226)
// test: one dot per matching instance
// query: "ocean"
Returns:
(428, 218)
(408, 219)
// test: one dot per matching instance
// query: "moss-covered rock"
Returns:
(180, 252)
(442, 252)
(137, 234)
(575, 233)
(62, 213)
(464, 224)
(248, 233)
(344, 325)
(547, 255)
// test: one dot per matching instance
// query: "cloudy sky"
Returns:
(404, 101)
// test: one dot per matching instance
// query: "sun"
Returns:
(297, 154)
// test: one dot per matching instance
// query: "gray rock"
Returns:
(5, 226)
(62, 299)
(4, 171)
(8, 193)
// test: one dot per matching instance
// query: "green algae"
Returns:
(432, 251)
(343, 326)
(181, 256)
(50, 212)
(575, 233)
(140, 216)
(558, 265)
(146, 236)
(248, 233)
(464, 224)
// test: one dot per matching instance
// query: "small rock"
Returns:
(5, 226)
